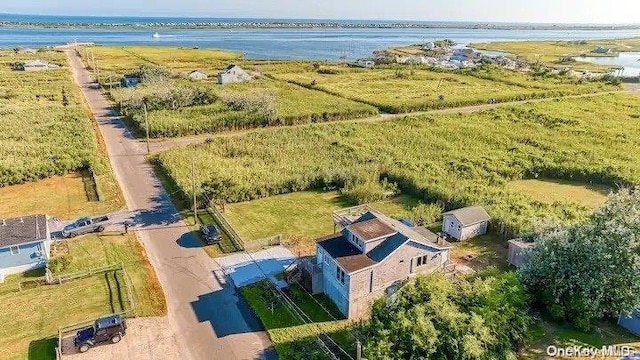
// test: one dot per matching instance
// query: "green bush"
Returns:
(425, 214)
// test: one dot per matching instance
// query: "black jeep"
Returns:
(109, 328)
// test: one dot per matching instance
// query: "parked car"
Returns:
(85, 225)
(105, 329)
(211, 234)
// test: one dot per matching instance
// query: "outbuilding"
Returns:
(25, 244)
(466, 223)
(519, 251)
(198, 75)
(630, 321)
(233, 74)
(36, 65)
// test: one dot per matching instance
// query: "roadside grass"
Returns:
(64, 197)
(549, 52)
(301, 216)
(407, 90)
(292, 338)
(550, 191)
(32, 320)
(548, 332)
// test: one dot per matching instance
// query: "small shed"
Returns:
(365, 63)
(198, 75)
(130, 80)
(233, 74)
(466, 223)
(519, 251)
(630, 321)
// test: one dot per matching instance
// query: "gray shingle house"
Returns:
(233, 74)
(465, 223)
(370, 257)
(25, 243)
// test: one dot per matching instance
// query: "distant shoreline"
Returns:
(305, 25)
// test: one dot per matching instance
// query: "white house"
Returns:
(25, 244)
(365, 63)
(198, 75)
(466, 223)
(429, 46)
(232, 74)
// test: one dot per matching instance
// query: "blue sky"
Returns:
(550, 11)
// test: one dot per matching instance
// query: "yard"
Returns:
(292, 338)
(42, 310)
(301, 216)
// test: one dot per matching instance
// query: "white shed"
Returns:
(233, 74)
(519, 251)
(198, 75)
(466, 223)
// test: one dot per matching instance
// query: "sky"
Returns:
(537, 11)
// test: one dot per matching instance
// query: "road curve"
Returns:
(208, 318)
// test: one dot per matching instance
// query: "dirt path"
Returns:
(206, 319)
(159, 145)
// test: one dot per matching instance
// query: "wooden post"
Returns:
(195, 203)
(358, 350)
(146, 125)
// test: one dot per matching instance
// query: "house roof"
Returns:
(38, 62)
(349, 257)
(380, 252)
(22, 230)
(370, 229)
(418, 234)
(469, 215)
(197, 71)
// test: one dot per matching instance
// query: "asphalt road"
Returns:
(205, 313)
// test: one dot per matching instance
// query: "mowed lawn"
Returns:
(550, 191)
(31, 321)
(300, 216)
(65, 197)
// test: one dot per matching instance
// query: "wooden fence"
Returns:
(249, 245)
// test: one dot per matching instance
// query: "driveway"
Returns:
(245, 269)
(205, 315)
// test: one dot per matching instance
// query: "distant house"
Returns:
(429, 46)
(28, 51)
(198, 75)
(130, 80)
(463, 54)
(370, 257)
(601, 50)
(466, 223)
(365, 63)
(25, 243)
(36, 65)
(233, 74)
(519, 251)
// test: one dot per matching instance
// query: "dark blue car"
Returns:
(105, 329)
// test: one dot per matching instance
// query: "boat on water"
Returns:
(155, 35)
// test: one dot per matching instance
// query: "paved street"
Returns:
(205, 314)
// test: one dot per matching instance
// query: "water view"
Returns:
(630, 61)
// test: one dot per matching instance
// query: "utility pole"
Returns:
(193, 181)
(146, 125)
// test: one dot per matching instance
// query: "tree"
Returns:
(479, 317)
(589, 271)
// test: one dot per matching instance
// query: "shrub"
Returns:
(425, 214)
(261, 103)
(369, 191)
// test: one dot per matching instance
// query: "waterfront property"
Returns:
(233, 74)
(25, 243)
(369, 258)
(466, 223)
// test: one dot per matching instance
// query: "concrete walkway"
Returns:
(207, 317)
(245, 269)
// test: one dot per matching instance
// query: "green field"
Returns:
(550, 191)
(550, 53)
(293, 105)
(399, 91)
(36, 314)
(45, 128)
(458, 159)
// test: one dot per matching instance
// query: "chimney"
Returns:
(21, 221)
(4, 222)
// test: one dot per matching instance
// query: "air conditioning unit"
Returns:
(38, 253)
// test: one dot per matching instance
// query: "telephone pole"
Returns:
(146, 125)
(193, 181)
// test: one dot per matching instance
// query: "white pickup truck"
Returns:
(86, 225)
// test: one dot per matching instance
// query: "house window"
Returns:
(15, 250)
(421, 260)
(340, 274)
(459, 227)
